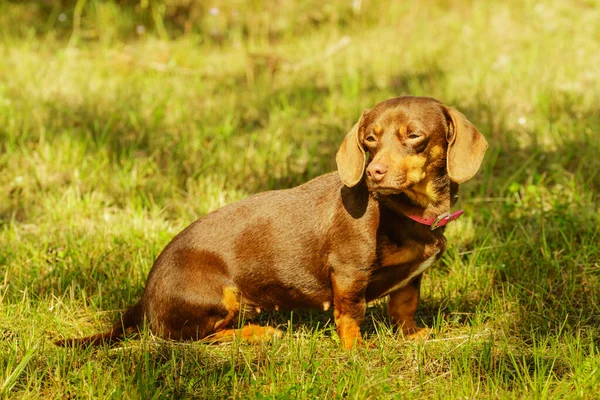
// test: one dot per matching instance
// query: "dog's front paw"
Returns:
(418, 334)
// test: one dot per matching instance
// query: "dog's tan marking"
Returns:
(419, 334)
(414, 162)
(415, 175)
(437, 152)
(377, 129)
(406, 254)
(413, 165)
(417, 271)
(431, 192)
(423, 193)
(231, 299)
(349, 331)
(231, 302)
(249, 333)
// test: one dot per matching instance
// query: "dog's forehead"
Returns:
(413, 112)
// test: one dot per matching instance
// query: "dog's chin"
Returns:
(382, 190)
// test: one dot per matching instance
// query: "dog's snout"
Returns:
(377, 171)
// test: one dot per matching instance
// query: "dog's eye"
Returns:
(414, 136)
(371, 139)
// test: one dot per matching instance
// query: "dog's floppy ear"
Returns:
(466, 147)
(351, 157)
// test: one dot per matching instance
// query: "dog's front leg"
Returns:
(401, 309)
(349, 309)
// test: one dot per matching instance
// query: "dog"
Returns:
(341, 240)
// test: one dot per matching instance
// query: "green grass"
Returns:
(112, 141)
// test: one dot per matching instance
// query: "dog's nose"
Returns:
(376, 171)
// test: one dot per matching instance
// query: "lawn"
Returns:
(123, 121)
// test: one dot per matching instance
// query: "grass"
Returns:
(120, 123)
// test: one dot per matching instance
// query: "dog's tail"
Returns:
(129, 323)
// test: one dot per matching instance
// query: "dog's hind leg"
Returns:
(249, 333)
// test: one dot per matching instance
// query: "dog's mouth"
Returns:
(387, 190)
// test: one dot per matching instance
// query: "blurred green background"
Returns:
(123, 121)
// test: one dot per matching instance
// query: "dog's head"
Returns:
(410, 145)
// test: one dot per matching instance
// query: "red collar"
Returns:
(439, 221)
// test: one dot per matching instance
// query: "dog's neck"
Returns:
(415, 202)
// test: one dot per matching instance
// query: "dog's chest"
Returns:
(405, 275)
(398, 264)
(408, 251)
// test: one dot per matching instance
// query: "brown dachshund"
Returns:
(343, 239)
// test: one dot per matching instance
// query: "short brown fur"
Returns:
(342, 239)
